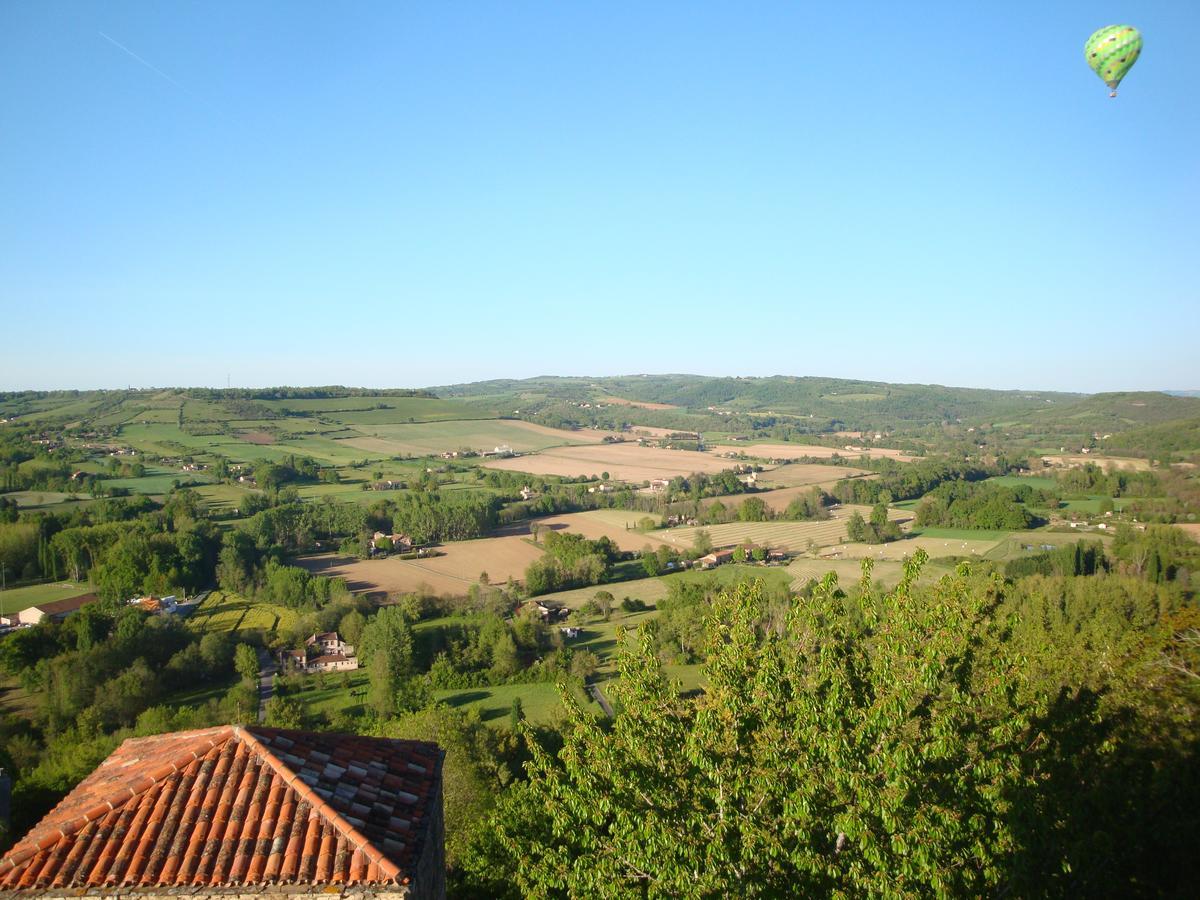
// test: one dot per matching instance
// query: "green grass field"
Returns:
(434, 437)
(1091, 505)
(961, 534)
(157, 480)
(333, 694)
(16, 599)
(45, 499)
(540, 702)
(361, 410)
(1037, 482)
(15, 700)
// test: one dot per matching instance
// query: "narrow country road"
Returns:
(601, 699)
(266, 683)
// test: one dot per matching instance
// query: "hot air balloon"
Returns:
(1112, 51)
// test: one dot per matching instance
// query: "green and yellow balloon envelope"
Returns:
(1112, 51)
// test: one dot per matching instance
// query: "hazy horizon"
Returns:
(234, 385)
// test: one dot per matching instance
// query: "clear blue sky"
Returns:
(407, 194)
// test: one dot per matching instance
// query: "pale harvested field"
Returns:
(652, 431)
(1190, 529)
(897, 550)
(648, 590)
(1107, 463)
(848, 571)
(793, 536)
(624, 462)
(800, 474)
(797, 451)
(256, 437)
(621, 401)
(778, 500)
(454, 573)
(610, 523)
(425, 438)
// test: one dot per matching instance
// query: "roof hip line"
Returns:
(293, 780)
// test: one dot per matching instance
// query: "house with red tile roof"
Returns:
(244, 810)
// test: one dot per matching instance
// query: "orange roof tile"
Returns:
(237, 806)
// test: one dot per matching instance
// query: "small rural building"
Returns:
(659, 484)
(387, 485)
(237, 810)
(569, 631)
(547, 610)
(325, 652)
(55, 611)
(716, 558)
(401, 543)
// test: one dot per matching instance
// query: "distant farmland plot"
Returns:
(363, 410)
(802, 474)
(1107, 463)
(157, 480)
(797, 451)
(648, 590)
(979, 546)
(848, 571)
(610, 523)
(621, 401)
(793, 536)
(624, 462)
(1036, 482)
(35, 499)
(427, 438)
(451, 574)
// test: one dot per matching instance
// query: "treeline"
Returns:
(106, 673)
(445, 516)
(963, 504)
(570, 561)
(1091, 479)
(331, 392)
(245, 568)
(125, 546)
(966, 738)
(1081, 558)
(907, 481)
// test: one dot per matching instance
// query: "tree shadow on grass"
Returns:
(466, 697)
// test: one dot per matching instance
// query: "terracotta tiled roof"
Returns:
(237, 806)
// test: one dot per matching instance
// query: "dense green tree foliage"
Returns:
(864, 744)
(961, 504)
